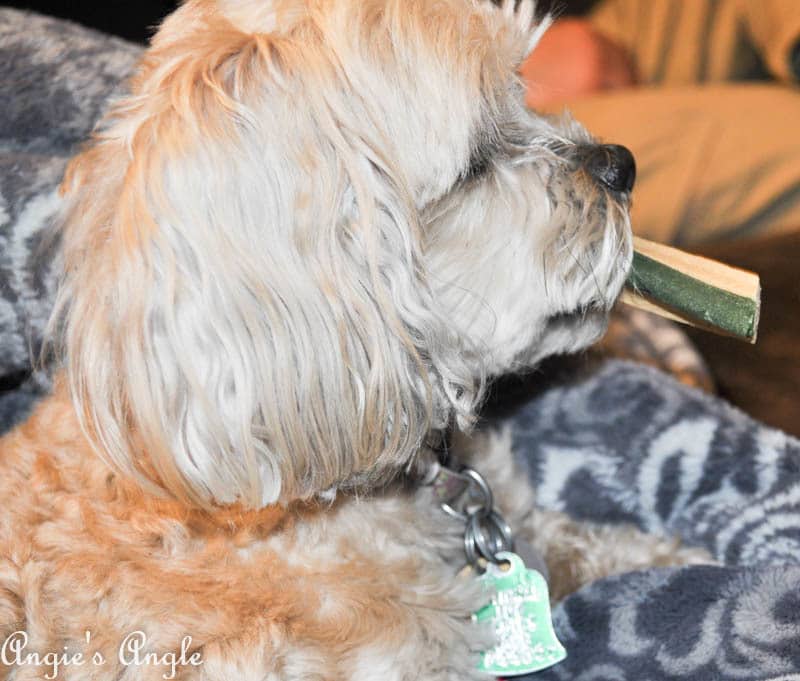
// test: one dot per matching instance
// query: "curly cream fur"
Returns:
(263, 224)
(293, 254)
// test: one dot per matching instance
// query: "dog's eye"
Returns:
(478, 165)
(480, 160)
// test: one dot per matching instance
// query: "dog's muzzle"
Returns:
(612, 165)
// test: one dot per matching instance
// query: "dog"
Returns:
(294, 254)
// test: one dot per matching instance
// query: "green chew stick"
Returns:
(694, 290)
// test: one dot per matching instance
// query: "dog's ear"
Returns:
(245, 313)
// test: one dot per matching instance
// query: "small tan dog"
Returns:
(293, 254)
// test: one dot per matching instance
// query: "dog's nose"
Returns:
(612, 165)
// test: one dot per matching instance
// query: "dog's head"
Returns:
(312, 229)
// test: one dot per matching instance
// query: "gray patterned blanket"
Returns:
(625, 444)
(55, 79)
(628, 444)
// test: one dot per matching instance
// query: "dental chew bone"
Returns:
(694, 290)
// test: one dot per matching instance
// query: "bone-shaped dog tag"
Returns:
(519, 613)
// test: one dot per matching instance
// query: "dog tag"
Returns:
(519, 613)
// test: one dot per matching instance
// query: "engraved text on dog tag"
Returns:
(519, 612)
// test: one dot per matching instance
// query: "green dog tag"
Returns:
(520, 615)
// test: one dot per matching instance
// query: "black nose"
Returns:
(612, 165)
